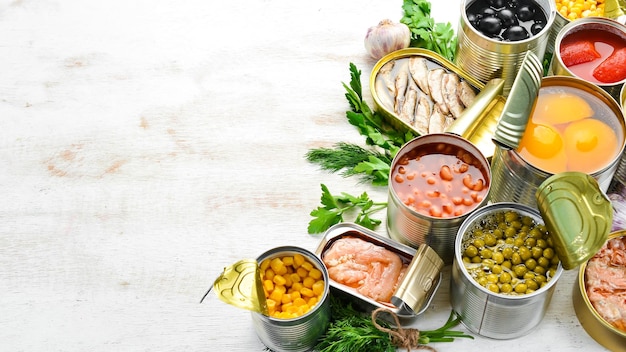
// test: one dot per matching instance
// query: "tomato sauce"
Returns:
(439, 180)
(595, 56)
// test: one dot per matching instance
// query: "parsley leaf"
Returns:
(425, 33)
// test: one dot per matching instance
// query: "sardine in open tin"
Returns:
(484, 111)
(417, 287)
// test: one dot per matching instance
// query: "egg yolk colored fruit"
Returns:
(560, 107)
(543, 146)
(590, 144)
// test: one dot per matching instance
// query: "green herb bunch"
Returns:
(425, 32)
(372, 163)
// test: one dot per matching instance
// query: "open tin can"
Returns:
(604, 33)
(407, 295)
(605, 333)
(486, 58)
(574, 220)
(429, 192)
(515, 178)
(301, 333)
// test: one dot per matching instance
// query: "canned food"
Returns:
(575, 126)
(593, 49)
(506, 292)
(389, 274)
(436, 181)
(593, 299)
(489, 47)
(298, 332)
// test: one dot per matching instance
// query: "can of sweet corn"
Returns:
(299, 331)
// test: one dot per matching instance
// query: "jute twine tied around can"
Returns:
(400, 337)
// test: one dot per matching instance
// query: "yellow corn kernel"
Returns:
(308, 282)
(269, 274)
(286, 298)
(308, 266)
(268, 285)
(307, 292)
(295, 294)
(312, 301)
(288, 261)
(295, 278)
(288, 281)
(318, 288)
(316, 274)
(279, 280)
(299, 302)
(298, 259)
(297, 286)
(264, 264)
(276, 295)
(302, 272)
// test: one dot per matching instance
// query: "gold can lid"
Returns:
(420, 281)
(240, 285)
(577, 214)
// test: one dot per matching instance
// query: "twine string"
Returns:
(400, 337)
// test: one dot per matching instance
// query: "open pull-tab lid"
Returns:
(577, 214)
(420, 281)
(240, 285)
(520, 103)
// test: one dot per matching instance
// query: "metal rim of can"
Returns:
(610, 337)
(458, 142)
(596, 23)
(287, 250)
(477, 216)
(550, 13)
(579, 83)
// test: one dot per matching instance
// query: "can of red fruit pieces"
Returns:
(593, 49)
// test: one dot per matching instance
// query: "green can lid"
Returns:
(578, 215)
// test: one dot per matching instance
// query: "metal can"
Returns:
(596, 26)
(597, 327)
(487, 58)
(496, 315)
(408, 225)
(414, 290)
(298, 334)
(516, 180)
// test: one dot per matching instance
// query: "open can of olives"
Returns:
(494, 36)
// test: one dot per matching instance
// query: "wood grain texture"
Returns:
(148, 144)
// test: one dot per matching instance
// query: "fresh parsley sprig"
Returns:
(334, 207)
(425, 33)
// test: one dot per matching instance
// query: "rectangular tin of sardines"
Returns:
(420, 91)
(379, 272)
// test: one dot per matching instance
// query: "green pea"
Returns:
(482, 281)
(524, 253)
(496, 269)
(498, 257)
(506, 288)
(507, 252)
(471, 251)
(521, 288)
(516, 224)
(535, 233)
(511, 216)
(493, 288)
(478, 243)
(510, 232)
(529, 276)
(530, 242)
(509, 240)
(476, 259)
(530, 263)
(486, 253)
(518, 242)
(516, 258)
(498, 233)
(520, 270)
(548, 253)
(507, 264)
(488, 263)
(490, 240)
(527, 220)
(505, 278)
(536, 252)
(541, 243)
(492, 278)
(532, 285)
(540, 278)
(543, 262)
(540, 270)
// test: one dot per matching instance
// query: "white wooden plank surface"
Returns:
(148, 144)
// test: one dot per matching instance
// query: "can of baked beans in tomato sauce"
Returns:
(436, 181)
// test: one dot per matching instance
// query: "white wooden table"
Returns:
(148, 144)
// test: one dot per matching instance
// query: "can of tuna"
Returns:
(436, 181)
(593, 49)
(299, 333)
(552, 143)
(486, 50)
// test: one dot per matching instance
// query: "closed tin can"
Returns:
(516, 179)
(483, 311)
(412, 291)
(603, 29)
(486, 58)
(605, 333)
(416, 211)
(298, 334)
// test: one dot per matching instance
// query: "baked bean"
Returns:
(445, 173)
(399, 178)
(467, 181)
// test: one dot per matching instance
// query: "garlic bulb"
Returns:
(386, 37)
